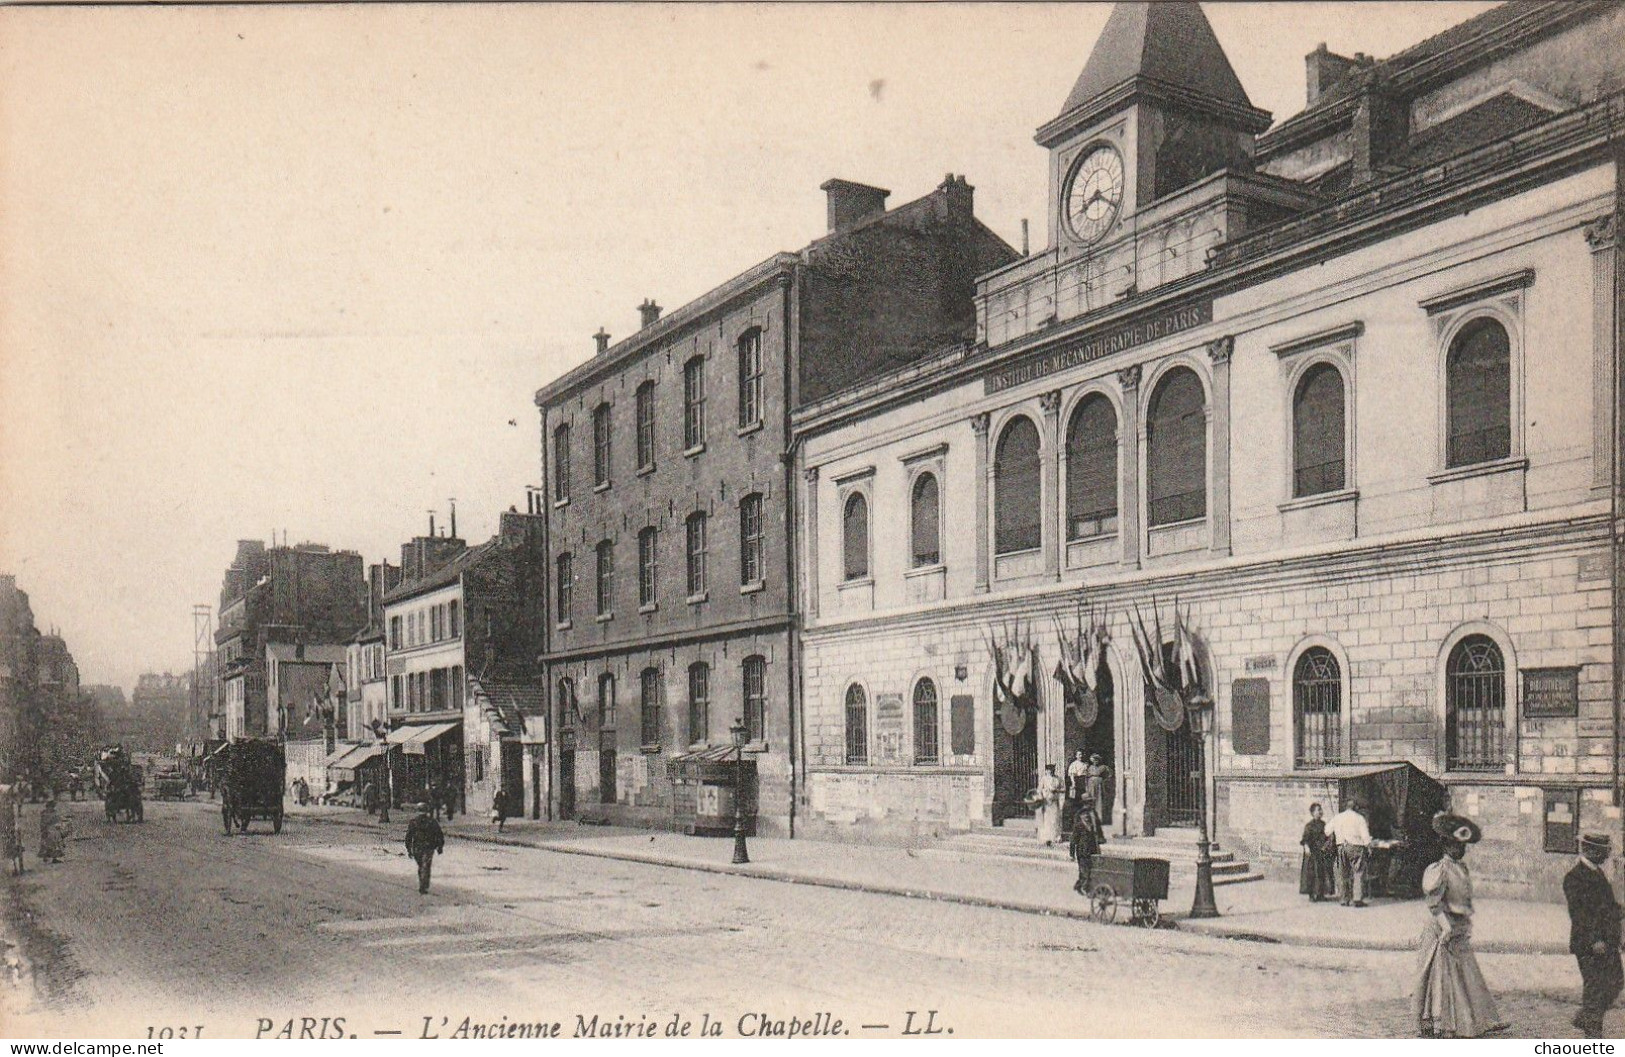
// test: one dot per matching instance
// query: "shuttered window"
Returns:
(1016, 491)
(694, 402)
(1176, 453)
(606, 577)
(564, 578)
(1318, 432)
(1478, 380)
(696, 554)
(602, 439)
(1091, 469)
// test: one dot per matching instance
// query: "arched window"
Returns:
(694, 403)
(1319, 432)
(926, 719)
(1475, 705)
(561, 463)
(1478, 388)
(699, 702)
(750, 540)
(1317, 706)
(855, 536)
(1016, 492)
(857, 725)
(1176, 449)
(925, 528)
(646, 425)
(606, 701)
(648, 566)
(754, 678)
(650, 694)
(606, 577)
(750, 378)
(1091, 469)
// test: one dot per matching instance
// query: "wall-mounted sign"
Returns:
(1551, 693)
(1250, 717)
(962, 724)
(889, 728)
(1101, 342)
(1265, 663)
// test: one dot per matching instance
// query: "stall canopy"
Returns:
(1401, 801)
(348, 760)
(415, 740)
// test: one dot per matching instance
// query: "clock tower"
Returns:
(1157, 109)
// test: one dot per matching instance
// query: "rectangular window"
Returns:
(755, 692)
(454, 611)
(750, 539)
(694, 403)
(750, 379)
(564, 575)
(561, 464)
(457, 687)
(651, 694)
(699, 703)
(648, 566)
(600, 445)
(606, 577)
(646, 425)
(696, 555)
(396, 700)
(606, 702)
(437, 690)
(394, 633)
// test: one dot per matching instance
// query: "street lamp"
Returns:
(1203, 906)
(738, 731)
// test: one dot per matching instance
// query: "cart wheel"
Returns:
(1103, 904)
(1146, 913)
(276, 822)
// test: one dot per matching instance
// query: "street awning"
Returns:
(344, 765)
(716, 764)
(415, 740)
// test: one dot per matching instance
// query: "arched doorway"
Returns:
(1174, 766)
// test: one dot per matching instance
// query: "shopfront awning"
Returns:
(414, 741)
(344, 765)
(716, 764)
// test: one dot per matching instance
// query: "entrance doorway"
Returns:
(567, 784)
(606, 767)
(1098, 737)
(513, 773)
(1173, 774)
(1015, 764)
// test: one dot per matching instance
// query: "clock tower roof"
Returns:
(1164, 48)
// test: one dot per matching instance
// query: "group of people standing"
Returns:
(1058, 800)
(1336, 855)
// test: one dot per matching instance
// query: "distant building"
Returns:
(366, 687)
(155, 718)
(46, 724)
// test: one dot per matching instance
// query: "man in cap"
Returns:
(1594, 932)
(424, 838)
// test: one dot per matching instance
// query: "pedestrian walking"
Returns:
(1049, 806)
(11, 827)
(499, 808)
(1594, 932)
(1353, 838)
(50, 831)
(1315, 874)
(431, 793)
(448, 796)
(424, 840)
(369, 797)
(1452, 1001)
(1086, 841)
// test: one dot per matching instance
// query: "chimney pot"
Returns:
(602, 338)
(649, 311)
(849, 204)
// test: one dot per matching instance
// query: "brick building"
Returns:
(669, 499)
(1344, 386)
(303, 595)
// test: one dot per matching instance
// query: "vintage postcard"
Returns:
(829, 521)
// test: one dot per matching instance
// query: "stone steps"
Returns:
(1016, 841)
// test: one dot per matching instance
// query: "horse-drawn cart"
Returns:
(252, 774)
(120, 783)
(1123, 884)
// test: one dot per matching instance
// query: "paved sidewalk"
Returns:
(1262, 911)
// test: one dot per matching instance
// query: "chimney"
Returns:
(955, 198)
(649, 311)
(453, 519)
(431, 524)
(852, 203)
(1323, 69)
(1381, 124)
(602, 338)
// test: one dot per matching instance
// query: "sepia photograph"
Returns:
(873, 521)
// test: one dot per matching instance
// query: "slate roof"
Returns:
(446, 574)
(511, 698)
(1495, 118)
(1167, 40)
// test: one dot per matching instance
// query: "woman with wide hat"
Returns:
(1452, 999)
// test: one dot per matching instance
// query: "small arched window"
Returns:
(926, 720)
(1091, 469)
(855, 537)
(925, 529)
(1475, 705)
(1176, 449)
(1478, 388)
(1319, 432)
(1016, 491)
(1317, 706)
(857, 725)
(650, 694)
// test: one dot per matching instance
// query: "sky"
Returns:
(301, 269)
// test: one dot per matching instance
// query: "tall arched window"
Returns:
(750, 378)
(694, 403)
(926, 719)
(750, 540)
(646, 425)
(1319, 432)
(1317, 706)
(925, 529)
(1016, 491)
(699, 702)
(1176, 449)
(1475, 705)
(696, 549)
(1091, 469)
(561, 463)
(602, 444)
(855, 537)
(649, 687)
(754, 679)
(857, 725)
(648, 566)
(564, 585)
(606, 701)
(1478, 394)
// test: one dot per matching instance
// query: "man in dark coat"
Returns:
(1594, 932)
(424, 838)
(1086, 841)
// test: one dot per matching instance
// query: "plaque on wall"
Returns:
(1250, 717)
(889, 728)
(1551, 693)
(1562, 820)
(962, 724)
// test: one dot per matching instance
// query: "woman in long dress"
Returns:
(50, 832)
(1315, 875)
(1452, 1000)
(1098, 786)
(1049, 807)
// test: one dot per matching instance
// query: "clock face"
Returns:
(1095, 193)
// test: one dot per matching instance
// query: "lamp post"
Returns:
(738, 732)
(1203, 906)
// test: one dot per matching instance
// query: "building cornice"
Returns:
(669, 640)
